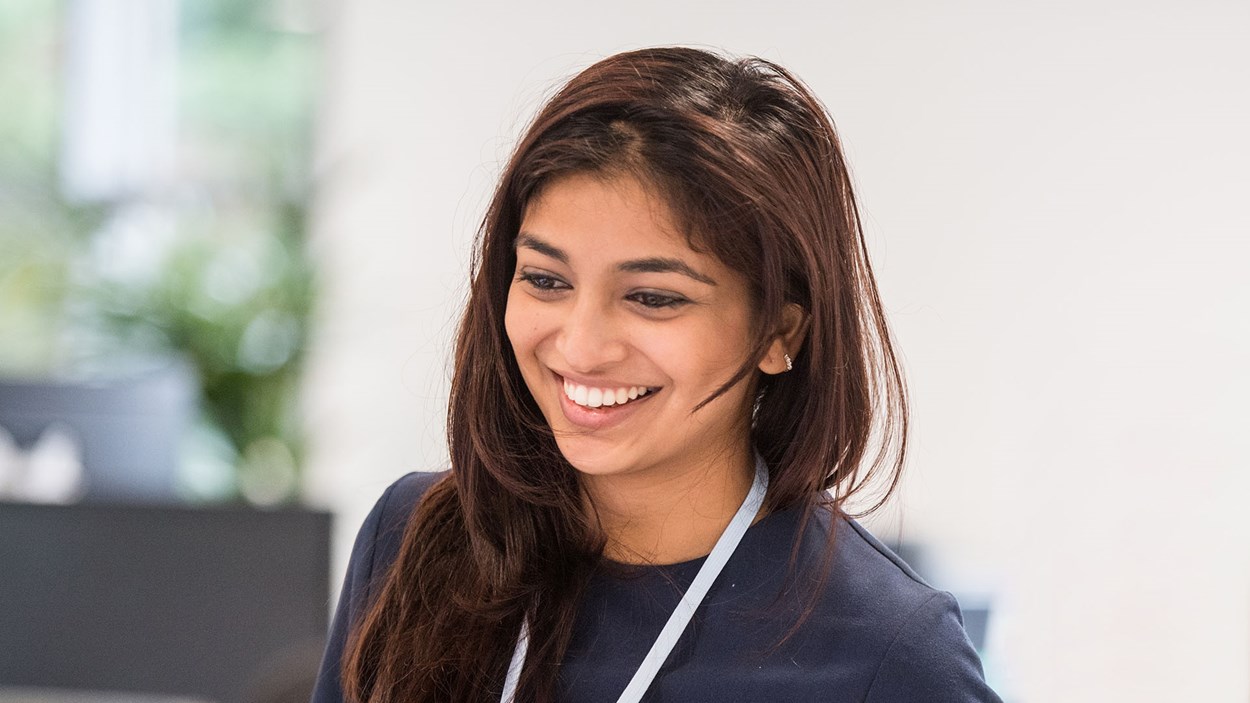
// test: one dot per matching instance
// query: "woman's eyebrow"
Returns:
(529, 241)
(654, 264)
(658, 264)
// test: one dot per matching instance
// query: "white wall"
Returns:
(1056, 197)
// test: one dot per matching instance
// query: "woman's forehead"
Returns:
(590, 214)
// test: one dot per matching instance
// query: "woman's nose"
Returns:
(590, 338)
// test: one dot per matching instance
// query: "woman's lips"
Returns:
(600, 417)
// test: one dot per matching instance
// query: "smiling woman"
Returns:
(672, 372)
(611, 297)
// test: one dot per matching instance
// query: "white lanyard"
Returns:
(677, 622)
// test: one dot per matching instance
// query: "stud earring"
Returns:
(789, 362)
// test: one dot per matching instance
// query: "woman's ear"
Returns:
(786, 341)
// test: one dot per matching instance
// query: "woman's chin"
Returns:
(591, 460)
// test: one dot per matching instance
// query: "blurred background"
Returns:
(234, 238)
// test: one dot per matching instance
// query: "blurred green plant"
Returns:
(237, 306)
(214, 268)
(40, 233)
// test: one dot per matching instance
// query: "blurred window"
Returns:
(154, 182)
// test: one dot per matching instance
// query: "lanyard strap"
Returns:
(685, 609)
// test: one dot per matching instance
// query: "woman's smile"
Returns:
(600, 405)
(596, 397)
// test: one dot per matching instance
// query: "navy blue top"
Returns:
(877, 634)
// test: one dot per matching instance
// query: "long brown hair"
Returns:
(749, 163)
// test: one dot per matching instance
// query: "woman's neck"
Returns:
(670, 514)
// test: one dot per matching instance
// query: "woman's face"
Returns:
(621, 330)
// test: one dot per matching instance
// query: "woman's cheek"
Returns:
(519, 322)
(674, 349)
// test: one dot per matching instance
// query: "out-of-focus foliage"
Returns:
(246, 91)
(40, 233)
(212, 267)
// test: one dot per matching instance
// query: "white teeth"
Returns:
(602, 397)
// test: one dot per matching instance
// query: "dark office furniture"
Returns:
(200, 602)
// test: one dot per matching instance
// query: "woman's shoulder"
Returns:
(377, 545)
(915, 630)
(874, 627)
(378, 541)
(864, 577)
(401, 497)
(392, 510)
(869, 583)
(864, 566)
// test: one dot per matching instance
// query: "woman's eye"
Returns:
(547, 283)
(540, 281)
(657, 300)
